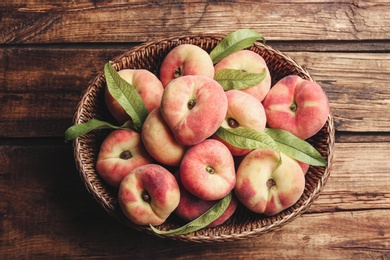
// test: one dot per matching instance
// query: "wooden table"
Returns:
(50, 51)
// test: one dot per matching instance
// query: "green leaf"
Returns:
(247, 138)
(202, 221)
(237, 79)
(295, 147)
(126, 95)
(280, 161)
(233, 42)
(81, 129)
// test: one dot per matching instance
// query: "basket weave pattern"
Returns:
(243, 224)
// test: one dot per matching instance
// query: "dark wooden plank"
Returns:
(139, 21)
(366, 137)
(46, 212)
(41, 87)
(367, 46)
(361, 235)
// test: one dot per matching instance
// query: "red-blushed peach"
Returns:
(244, 111)
(149, 194)
(191, 207)
(159, 140)
(262, 189)
(120, 152)
(193, 107)
(249, 61)
(304, 167)
(207, 170)
(186, 59)
(297, 105)
(148, 86)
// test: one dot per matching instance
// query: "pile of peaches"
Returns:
(205, 130)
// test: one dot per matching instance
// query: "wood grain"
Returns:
(47, 212)
(141, 21)
(356, 84)
(50, 50)
(41, 87)
(354, 184)
(295, 241)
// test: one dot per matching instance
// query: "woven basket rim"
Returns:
(79, 147)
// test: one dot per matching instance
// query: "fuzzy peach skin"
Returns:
(193, 107)
(120, 152)
(148, 86)
(191, 207)
(186, 59)
(296, 105)
(207, 170)
(149, 194)
(265, 190)
(304, 166)
(244, 111)
(159, 140)
(248, 61)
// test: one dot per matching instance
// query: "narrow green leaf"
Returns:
(233, 42)
(247, 138)
(280, 161)
(81, 129)
(295, 147)
(126, 95)
(237, 79)
(202, 221)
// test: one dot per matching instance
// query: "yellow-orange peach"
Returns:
(262, 189)
(159, 140)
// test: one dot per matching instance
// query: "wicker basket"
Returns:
(243, 224)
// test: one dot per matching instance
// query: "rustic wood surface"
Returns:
(50, 51)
